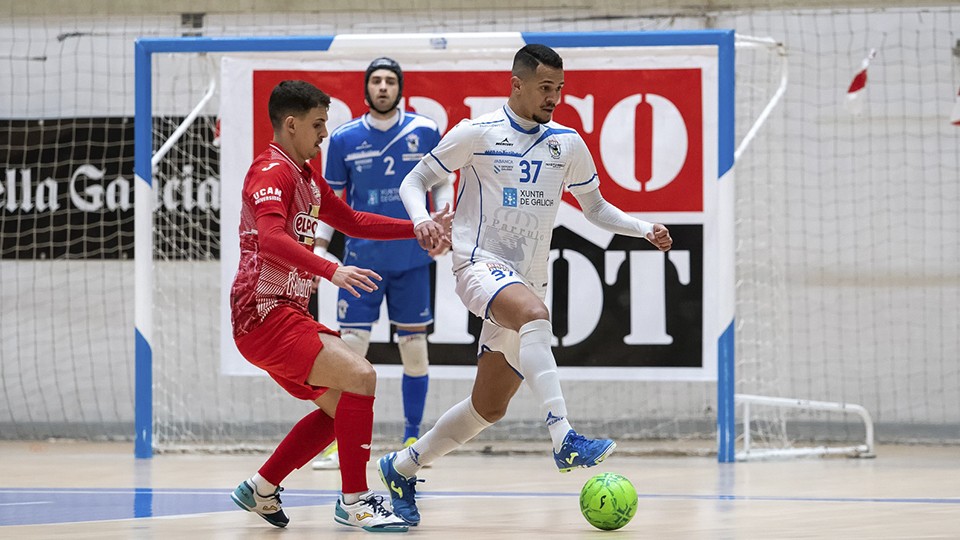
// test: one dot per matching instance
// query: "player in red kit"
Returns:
(283, 200)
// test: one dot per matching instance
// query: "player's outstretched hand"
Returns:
(445, 219)
(660, 237)
(440, 250)
(429, 234)
(348, 277)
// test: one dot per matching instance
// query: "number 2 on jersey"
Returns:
(389, 161)
(525, 171)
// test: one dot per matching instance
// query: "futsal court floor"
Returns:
(98, 490)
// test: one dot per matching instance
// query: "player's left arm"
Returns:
(601, 213)
(338, 214)
(584, 183)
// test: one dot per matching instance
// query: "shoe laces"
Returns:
(577, 438)
(412, 484)
(275, 495)
(375, 502)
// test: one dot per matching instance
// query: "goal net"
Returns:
(659, 358)
(846, 239)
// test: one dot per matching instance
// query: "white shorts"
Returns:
(477, 285)
(495, 338)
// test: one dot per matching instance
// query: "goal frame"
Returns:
(145, 48)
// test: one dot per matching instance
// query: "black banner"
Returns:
(606, 343)
(67, 190)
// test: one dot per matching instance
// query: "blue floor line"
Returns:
(34, 506)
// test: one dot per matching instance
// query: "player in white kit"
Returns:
(514, 165)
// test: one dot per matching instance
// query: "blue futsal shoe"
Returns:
(268, 507)
(402, 490)
(579, 451)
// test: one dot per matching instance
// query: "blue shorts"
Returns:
(408, 300)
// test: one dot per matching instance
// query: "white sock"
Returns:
(539, 370)
(262, 487)
(354, 498)
(455, 427)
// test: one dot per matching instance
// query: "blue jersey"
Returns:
(369, 165)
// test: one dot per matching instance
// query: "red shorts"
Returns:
(285, 345)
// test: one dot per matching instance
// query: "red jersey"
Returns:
(283, 203)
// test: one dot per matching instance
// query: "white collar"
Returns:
(384, 125)
(522, 122)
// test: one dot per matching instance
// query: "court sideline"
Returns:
(98, 490)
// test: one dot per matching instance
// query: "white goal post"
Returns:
(707, 54)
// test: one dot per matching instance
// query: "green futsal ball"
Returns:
(608, 501)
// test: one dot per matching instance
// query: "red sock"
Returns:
(354, 428)
(309, 437)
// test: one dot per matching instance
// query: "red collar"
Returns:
(305, 170)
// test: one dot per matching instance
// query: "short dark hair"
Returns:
(383, 63)
(528, 58)
(296, 98)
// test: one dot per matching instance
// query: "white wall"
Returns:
(848, 232)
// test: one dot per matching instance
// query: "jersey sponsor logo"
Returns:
(554, 147)
(502, 165)
(513, 235)
(504, 142)
(416, 156)
(495, 267)
(366, 156)
(534, 197)
(305, 225)
(270, 166)
(413, 142)
(362, 164)
(267, 194)
(510, 196)
(379, 196)
(298, 286)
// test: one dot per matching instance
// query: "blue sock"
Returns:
(414, 396)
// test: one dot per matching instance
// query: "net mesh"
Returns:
(847, 242)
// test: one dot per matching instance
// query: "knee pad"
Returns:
(413, 354)
(358, 339)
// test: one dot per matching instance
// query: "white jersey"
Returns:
(511, 181)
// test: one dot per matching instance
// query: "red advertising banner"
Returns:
(634, 121)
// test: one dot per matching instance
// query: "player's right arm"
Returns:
(454, 151)
(271, 190)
